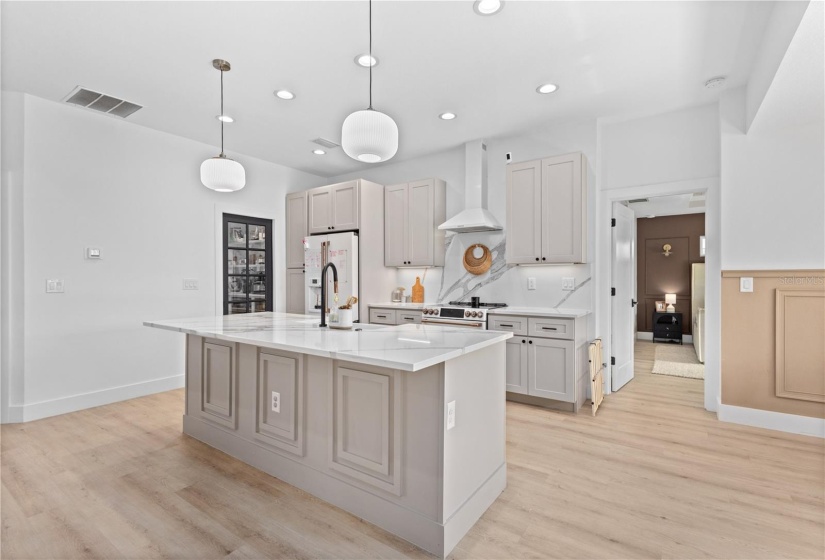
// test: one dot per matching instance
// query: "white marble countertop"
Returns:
(400, 305)
(404, 347)
(559, 312)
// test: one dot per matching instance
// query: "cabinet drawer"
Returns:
(515, 325)
(382, 316)
(410, 317)
(550, 328)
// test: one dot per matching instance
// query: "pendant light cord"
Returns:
(371, 59)
(222, 154)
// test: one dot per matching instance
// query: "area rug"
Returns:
(677, 360)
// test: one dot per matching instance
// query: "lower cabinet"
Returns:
(552, 365)
(386, 316)
(217, 384)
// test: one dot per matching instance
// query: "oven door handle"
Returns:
(460, 324)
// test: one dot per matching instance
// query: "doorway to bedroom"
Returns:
(658, 264)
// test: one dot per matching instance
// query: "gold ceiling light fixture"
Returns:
(666, 249)
(220, 173)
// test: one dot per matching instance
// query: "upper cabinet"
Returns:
(547, 210)
(296, 228)
(412, 213)
(334, 208)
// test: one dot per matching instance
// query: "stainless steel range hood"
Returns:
(475, 216)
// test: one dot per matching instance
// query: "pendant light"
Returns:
(221, 173)
(369, 135)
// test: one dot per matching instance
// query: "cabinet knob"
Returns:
(531, 342)
(544, 259)
(523, 341)
(537, 258)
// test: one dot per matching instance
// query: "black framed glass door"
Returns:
(247, 264)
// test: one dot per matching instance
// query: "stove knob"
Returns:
(428, 311)
(476, 313)
(467, 313)
(435, 311)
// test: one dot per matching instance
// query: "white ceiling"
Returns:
(671, 205)
(608, 58)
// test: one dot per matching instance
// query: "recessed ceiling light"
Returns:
(366, 60)
(715, 82)
(446, 116)
(285, 94)
(318, 152)
(225, 118)
(547, 88)
(488, 7)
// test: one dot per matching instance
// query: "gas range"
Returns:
(458, 313)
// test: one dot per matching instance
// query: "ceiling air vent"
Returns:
(329, 144)
(101, 103)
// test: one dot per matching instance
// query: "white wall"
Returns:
(94, 180)
(674, 146)
(773, 193)
(671, 153)
(449, 166)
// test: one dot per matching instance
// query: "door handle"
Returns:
(633, 303)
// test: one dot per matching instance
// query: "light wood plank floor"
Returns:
(653, 476)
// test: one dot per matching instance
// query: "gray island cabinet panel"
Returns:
(299, 403)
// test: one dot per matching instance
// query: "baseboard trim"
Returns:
(45, 409)
(790, 423)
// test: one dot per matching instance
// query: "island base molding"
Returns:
(434, 537)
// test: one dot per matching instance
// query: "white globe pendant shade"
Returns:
(223, 174)
(369, 136)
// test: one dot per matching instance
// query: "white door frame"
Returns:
(603, 272)
(618, 283)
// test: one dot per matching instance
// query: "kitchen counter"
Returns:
(558, 312)
(400, 305)
(404, 347)
(338, 414)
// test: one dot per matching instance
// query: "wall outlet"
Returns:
(190, 284)
(746, 284)
(451, 415)
(276, 402)
(54, 286)
(531, 283)
(93, 253)
(568, 283)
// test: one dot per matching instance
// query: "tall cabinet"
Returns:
(547, 210)
(296, 231)
(412, 213)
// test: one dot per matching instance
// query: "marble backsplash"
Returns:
(502, 283)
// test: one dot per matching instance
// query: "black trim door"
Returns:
(247, 264)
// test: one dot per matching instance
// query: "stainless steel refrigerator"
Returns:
(341, 249)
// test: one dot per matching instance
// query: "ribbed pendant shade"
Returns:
(369, 136)
(223, 174)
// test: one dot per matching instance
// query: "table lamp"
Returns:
(670, 299)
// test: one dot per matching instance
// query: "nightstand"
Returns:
(667, 326)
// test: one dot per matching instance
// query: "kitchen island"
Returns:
(402, 426)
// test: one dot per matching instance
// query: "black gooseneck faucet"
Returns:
(324, 290)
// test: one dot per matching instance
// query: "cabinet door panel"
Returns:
(320, 210)
(295, 294)
(395, 225)
(219, 384)
(280, 414)
(561, 193)
(517, 366)
(345, 206)
(524, 212)
(296, 229)
(551, 369)
(420, 223)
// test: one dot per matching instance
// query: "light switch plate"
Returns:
(54, 286)
(451, 415)
(276, 402)
(190, 284)
(93, 253)
(531, 283)
(568, 283)
(746, 284)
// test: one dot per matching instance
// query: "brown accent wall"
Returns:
(772, 341)
(657, 275)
